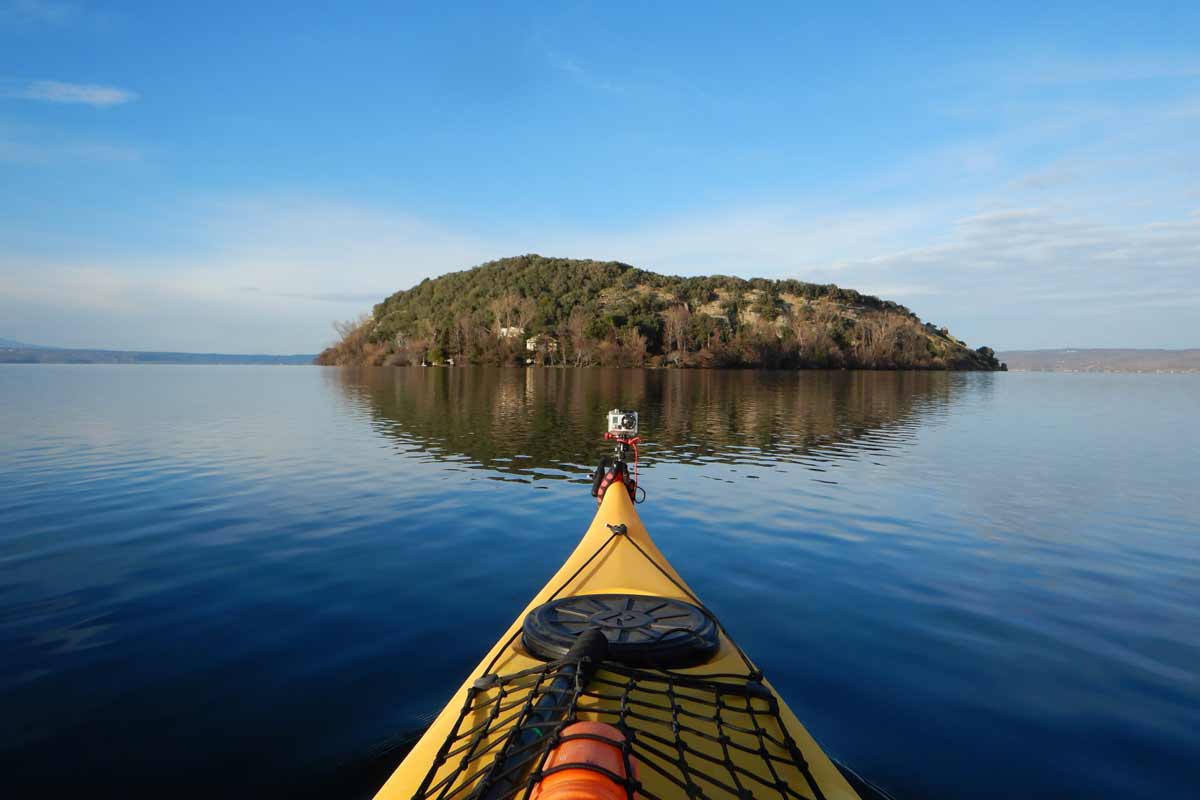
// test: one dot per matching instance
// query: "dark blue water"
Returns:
(263, 581)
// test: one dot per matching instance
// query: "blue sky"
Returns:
(233, 177)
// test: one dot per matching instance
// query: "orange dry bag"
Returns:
(575, 781)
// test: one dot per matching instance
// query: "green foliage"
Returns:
(620, 320)
(769, 304)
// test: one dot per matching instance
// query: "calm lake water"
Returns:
(264, 581)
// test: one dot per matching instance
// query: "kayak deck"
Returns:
(717, 730)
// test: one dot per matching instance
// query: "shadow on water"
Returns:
(549, 423)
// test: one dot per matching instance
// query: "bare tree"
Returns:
(879, 338)
(524, 311)
(502, 309)
(416, 349)
(564, 341)
(346, 329)
(633, 348)
(581, 347)
(910, 345)
(511, 310)
(677, 319)
(464, 334)
(499, 311)
(354, 345)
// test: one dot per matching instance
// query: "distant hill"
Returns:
(1103, 360)
(579, 312)
(14, 344)
(13, 352)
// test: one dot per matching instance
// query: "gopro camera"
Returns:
(622, 423)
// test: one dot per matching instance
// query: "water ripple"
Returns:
(213, 573)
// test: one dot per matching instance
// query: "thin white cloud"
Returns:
(784, 240)
(279, 271)
(40, 145)
(91, 94)
(1065, 223)
(1033, 69)
(584, 76)
(37, 12)
(20, 150)
(1050, 278)
(283, 270)
(1057, 70)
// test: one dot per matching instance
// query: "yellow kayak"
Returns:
(690, 714)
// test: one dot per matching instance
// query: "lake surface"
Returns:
(264, 581)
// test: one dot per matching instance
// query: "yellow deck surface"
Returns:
(619, 569)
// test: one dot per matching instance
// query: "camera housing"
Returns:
(622, 423)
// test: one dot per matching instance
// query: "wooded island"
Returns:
(556, 311)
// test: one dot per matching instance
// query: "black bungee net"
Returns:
(509, 724)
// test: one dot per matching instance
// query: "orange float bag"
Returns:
(579, 782)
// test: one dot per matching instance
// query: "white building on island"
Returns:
(542, 343)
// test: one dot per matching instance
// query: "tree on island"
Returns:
(586, 313)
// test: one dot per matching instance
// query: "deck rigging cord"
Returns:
(612, 679)
(508, 725)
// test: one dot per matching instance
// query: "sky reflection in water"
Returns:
(264, 580)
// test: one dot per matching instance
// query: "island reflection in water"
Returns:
(549, 423)
(263, 582)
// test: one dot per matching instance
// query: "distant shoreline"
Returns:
(55, 355)
(1100, 359)
(1095, 360)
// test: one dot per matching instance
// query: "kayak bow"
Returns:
(692, 715)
